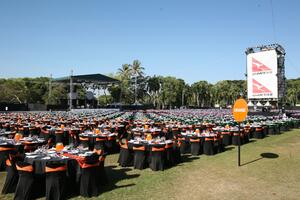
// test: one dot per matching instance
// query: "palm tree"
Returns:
(124, 74)
(137, 70)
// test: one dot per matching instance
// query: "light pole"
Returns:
(135, 89)
(50, 90)
(182, 98)
(71, 90)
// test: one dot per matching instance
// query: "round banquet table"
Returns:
(168, 157)
(105, 142)
(227, 137)
(146, 144)
(187, 137)
(73, 172)
(39, 162)
(209, 143)
(7, 134)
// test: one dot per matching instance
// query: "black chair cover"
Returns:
(3, 157)
(89, 184)
(195, 148)
(258, 134)
(236, 140)
(139, 159)
(185, 147)
(25, 186)
(208, 147)
(55, 183)
(125, 158)
(11, 180)
(170, 158)
(227, 139)
(157, 160)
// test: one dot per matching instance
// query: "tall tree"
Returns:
(201, 93)
(171, 95)
(137, 72)
(293, 91)
(124, 73)
(136, 68)
(153, 90)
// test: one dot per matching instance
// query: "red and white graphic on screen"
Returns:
(258, 66)
(258, 88)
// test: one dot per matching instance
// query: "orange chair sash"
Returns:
(7, 148)
(100, 139)
(141, 148)
(225, 133)
(112, 138)
(209, 139)
(86, 165)
(28, 168)
(258, 129)
(158, 148)
(59, 132)
(194, 140)
(8, 162)
(56, 169)
(83, 139)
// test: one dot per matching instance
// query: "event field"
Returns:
(213, 177)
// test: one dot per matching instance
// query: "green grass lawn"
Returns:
(214, 177)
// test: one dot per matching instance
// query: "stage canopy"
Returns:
(94, 81)
(89, 78)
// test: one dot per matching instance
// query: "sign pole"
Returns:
(239, 146)
(239, 111)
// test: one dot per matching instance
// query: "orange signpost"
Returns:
(239, 112)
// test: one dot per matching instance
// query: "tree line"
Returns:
(136, 87)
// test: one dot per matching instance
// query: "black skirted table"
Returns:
(75, 175)
(107, 142)
(158, 155)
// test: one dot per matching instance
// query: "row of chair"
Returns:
(22, 180)
(157, 158)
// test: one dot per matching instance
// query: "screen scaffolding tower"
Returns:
(280, 70)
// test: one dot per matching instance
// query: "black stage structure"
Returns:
(87, 81)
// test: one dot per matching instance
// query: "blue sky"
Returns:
(192, 40)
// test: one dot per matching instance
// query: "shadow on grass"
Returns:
(114, 175)
(109, 179)
(252, 161)
(252, 140)
(228, 148)
(269, 155)
(188, 158)
(263, 155)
